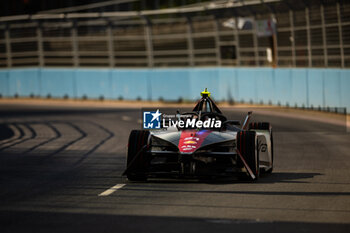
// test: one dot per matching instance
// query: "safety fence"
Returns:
(294, 87)
(315, 35)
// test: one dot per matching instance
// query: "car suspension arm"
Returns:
(134, 159)
(249, 170)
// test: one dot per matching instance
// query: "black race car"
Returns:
(193, 151)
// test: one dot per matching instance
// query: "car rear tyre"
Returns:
(270, 169)
(247, 146)
(137, 159)
(264, 126)
(260, 125)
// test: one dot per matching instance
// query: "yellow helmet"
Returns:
(205, 93)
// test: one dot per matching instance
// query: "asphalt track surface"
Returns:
(59, 160)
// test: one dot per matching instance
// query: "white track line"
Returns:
(111, 190)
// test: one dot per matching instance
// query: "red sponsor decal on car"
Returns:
(191, 140)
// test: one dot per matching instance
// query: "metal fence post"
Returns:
(75, 47)
(217, 42)
(340, 29)
(255, 42)
(8, 46)
(275, 43)
(148, 40)
(307, 17)
(190, 41)
(324, 37)
(236, 34)
(291, 21)
(39, 36)
(110, 45)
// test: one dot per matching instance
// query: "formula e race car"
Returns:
(226, 148)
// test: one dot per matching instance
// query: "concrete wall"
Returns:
(301, 87)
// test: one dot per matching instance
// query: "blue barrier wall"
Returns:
(301, 87)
